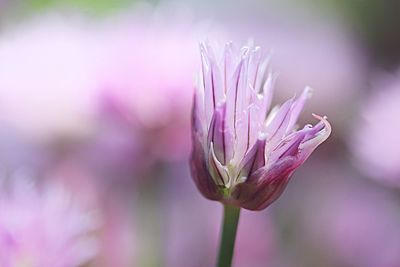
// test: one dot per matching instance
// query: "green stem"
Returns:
(229, 228)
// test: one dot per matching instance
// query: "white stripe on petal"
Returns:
(218, 171)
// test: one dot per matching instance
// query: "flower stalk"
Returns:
(228, 236)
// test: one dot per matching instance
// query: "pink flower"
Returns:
(376, 141)
(240, 156)
(147, 83)
(47, 76)
(44, 227)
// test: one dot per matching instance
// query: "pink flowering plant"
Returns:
(44, 227)
(244, 154)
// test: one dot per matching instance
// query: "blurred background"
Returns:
(95, 100)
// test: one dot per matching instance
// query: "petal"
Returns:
(253, 160)
(233, 96)
(213, 88)
(261, 79)
(265, 185)
(268, 91)
(322, 124)
(221, 136)
(276, 129)
(218, 172)
(248, 128)
(298, 106)
(199, 171)
(197, 119)
(254, 66)
(207, 94)
(243, 96)
(316, 136)
(216, 83)
(199, 101)
(229, 65)
(288, 147)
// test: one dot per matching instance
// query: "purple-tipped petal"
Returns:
(233, 96)
(213, 91)
(248, 128)
(264, 186)
(321, 125)
(318, 136)
(261, 77)
(221, 136)
(242, 97)
(253, 160)
(254, 66)
(290, 148)
(276, 130)
(196, 118)
(217, 170)
(298, 106)
(267, 95)
(200, 171)
(229, 66)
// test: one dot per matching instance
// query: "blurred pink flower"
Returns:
(244, 153)
(148, 79)
(376, 139)
(44, 227)
(154, 96)
(47, 76)
(116, 237)
(70, 64)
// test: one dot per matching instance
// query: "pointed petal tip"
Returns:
(308, 92)
(319, 133)
(202, 46)
(228, 46)
(327, 125)
(321, 118)
(256, 49)
(261, 136)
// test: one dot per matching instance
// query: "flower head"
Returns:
(131, 85)
(45, 228)
(240, 155)
(377, 150)
(61, 62)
